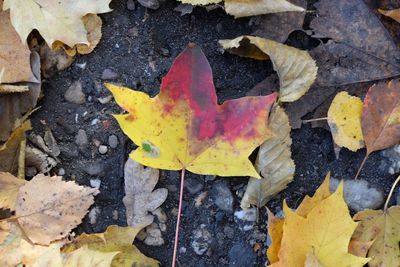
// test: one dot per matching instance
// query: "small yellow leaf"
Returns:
(9, 187)
(344, 119)
(326, 231)
(383, 228)
(296, 68)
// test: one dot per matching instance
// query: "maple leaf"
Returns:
(296, 68)
(114, 239)
(325, 231)
(274, 162)
(183, 127)
(48, 208)
(344, 119)
(55, 20)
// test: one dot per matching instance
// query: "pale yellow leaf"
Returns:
(9, 186)
(245, 8)
(85, 257)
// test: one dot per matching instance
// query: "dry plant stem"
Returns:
(361, 166)
(178, 219)
(317, 119)
(391, 193)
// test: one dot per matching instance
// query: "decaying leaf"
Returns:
(140, 198)
(10, 151)
(325, 232)
(42, 162)
(383, 229)
(9, 186)
(296, 69)
(274, 162)
(15, 64)
(183, 127)
(55, 20)
(344, 119)
(48, 208)
(394, 13)
(245, 8)
(114, 239)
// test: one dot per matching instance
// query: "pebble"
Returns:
(103, 149)
(229, 232)
(61, 172)
(210, 178)
(113, 141)
(81, 138)
(154, 236)
(359, 195)
(105, 100)
(95, 183)
(392, 160)
(133, 32)
(109, 74)
(94, 168)
(152, 4)
(115, 215)
(130, 5)
(249, 215)
(193, 185)
(74, 94)
(164, 52)
(222, 196)
(201, 239)
(241, 255)
(70, 151)
(93, 215)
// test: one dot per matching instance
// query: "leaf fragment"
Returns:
(394, 13)
(9, 187)
(246, 8)
(296, 69)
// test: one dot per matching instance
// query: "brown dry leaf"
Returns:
(48, 208)
(115, 239)
(246, 8)
(55, 20)
(140, 198)
(296, 69)
(15, 64)
(9, 186)
(394, 13)
(10, 151)
(274, 162)
(15, 107)
(383, 229)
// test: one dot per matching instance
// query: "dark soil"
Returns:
(162, 35)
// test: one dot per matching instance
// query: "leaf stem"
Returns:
(391, 193)
(317, 119)
(361, 166)
(178, 219)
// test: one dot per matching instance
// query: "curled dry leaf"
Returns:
(382, 227)
(274, 162)
(65, 23)
(48, 208)
(296, 69)
(114, 239)
(140, 199)
(183, 127)
(9, 187)
(344, 119)
(326, 232)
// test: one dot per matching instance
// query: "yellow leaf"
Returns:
(9, 186)
(326, 231)
(312, 261)
(296, 69)
(85, 257)
(48, 208)
(55, 20)
(383, 228)
(245, 8)
(114, 239)
(275, 231)
(274, 162)
(183, 127)
(344, 119)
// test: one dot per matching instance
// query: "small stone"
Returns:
(198, 201)
(94, 122)
(193, 185)
(164, 52)
(133, 32)
(61, 172)
(95, 183)
(30, 171)
(81, 138)
(210, 178)
(74, 94)
(130, 5)
(359, 195)
(93, 215)
(152, 4)
(249, 215)
(229, 232)
(103, 149)
(222, 196)
(115, 215)
(109, 74)
(154, 236)
(105, 100)
(184, 9)
(113, 141)
(201, 240)
(241, 255)
(95, 168)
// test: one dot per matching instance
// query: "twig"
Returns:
(391, 193)
(361, 166)
(178, 219)
(312, 120)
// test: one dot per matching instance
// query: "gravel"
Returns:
(74, 94)
(222, 196)
(113, 141)
(81, 138)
